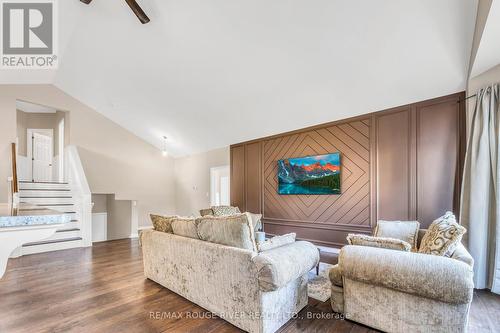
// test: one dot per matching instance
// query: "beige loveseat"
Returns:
(257, 292)
(396, 291)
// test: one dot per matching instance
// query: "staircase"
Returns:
(55, 196)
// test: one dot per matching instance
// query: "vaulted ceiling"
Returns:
(211, 73)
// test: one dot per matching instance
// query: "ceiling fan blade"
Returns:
(86, 1)
(137, 11)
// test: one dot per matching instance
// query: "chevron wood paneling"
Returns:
(352, 206)
(385, 160)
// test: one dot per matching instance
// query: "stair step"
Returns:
(36, 191)
(44, 186)
(45, 242)
(75, 224)
(68, 230)
(32, 182)
(47, 246)
(47, 201)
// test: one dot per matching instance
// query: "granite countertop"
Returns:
(29, 215)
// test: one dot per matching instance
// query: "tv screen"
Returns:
(310, 175)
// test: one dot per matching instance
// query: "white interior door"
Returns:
(42, 146)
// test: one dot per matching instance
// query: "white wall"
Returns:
(115, 160)
(192, 179)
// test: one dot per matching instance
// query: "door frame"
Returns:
(213, 171)
(29, 146)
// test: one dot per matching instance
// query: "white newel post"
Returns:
(81, 192)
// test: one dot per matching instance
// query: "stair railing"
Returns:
(14, 181)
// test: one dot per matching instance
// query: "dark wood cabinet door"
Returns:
(438, 135)
(393, 165)
(238, 177)
(253, 177)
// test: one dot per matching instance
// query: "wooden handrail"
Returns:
(15, 186)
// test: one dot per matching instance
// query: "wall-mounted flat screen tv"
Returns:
(310, 175)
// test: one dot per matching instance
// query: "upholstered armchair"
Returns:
(397, 291)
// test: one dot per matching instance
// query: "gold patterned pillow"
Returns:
(382, 242)
(206, 211)
(225, 210)
(443, 236)
(162, 223)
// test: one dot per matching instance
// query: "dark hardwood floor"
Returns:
(102, 289)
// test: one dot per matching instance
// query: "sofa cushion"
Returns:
(162, 223)
(276, 241)
(185, 227)
(234, 230)
(443, 236)
(405, 230)
(225, 210)
(386, 243)
(206, 211)
(279, 266)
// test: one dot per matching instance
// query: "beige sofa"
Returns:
(257, 292)
(396, 291)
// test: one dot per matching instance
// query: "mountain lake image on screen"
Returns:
(318, 174)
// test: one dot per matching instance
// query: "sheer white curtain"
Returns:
(480, 208)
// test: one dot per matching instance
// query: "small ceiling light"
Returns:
(164, 150)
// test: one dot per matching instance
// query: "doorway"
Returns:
(219, 186)
(40, 151)
(42, 135)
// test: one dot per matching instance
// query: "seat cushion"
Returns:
(442, 237)
(404, 230)
(234, 230)
(162, 223)
(276, 241)
(185, 227)
(382, 242)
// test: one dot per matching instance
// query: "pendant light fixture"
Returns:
(164, 150)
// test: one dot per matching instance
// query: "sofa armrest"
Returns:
(463, 255)
(440, 278)
(277, 267)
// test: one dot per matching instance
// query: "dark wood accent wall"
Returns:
(399, 164)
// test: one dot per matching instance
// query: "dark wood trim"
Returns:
(15, 184)
(351, 119)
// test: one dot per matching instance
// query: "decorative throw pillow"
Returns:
(382, 242)
(276, 241)
(234, 230)
(207, 211)
(225, 210)
(185, 227)
(256, 223)
(404, 230)
(443, 236)
(162, 223)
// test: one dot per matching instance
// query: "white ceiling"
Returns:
(211, 73)
(488, 52)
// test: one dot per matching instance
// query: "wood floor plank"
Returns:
(103, 289)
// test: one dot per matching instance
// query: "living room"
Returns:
(228, 166)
